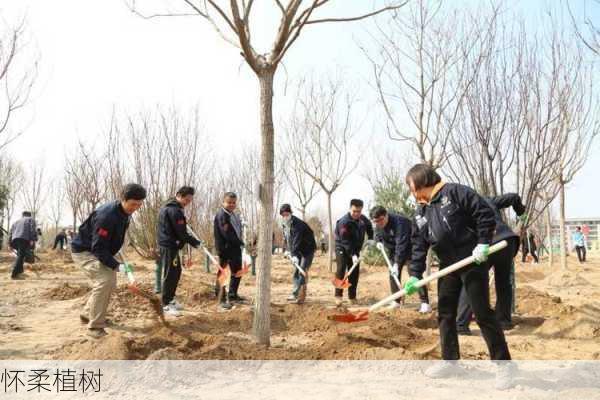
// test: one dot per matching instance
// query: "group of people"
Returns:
(451, 219)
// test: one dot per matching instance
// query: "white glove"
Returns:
(286, 254)
(295, 260)
(121, 268)
(395, 270)
(371, 242)
(481, 253)
(354, 259)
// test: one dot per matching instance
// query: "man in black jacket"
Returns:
(228, 241)
(456, 223)
(98, 240)
(301, 246)
(22, 237)
(502, 262)
(350, 233)
(394, 231)
(60, 240)
(172, 236)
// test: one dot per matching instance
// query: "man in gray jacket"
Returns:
(22, 238)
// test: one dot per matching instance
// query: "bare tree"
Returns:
(57, 203)
(17, 77)
(35, 190)
(587, 30)
(422, 69)
(11, 179)
(233, 23)
(320, 135)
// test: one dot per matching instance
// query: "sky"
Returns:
(96, 56)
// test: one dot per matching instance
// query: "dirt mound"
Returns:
(112, 347)
(573, 323)
(566, 279)
(126, 306)
(533, 302)
(67, 291)
(528, 274)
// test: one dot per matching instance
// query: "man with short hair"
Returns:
(99, 238)
(22, 238)
(300, 239)
(228, 233)
(172, 236)
(394, 231)
(579, 242)
(350, 233)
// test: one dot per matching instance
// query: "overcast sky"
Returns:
(96, 55)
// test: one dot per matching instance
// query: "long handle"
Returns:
(128, 270)
(208, 253)
(448, 270)
(299, 268)
(381, 248)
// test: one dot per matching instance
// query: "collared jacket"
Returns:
(24, 229)
(301, 241)
(395, 236)
(454, 221)
(350, 234)
(228, 233)
(172, 227)
(103, 233)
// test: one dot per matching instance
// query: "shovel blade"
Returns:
(243, 271)
(341, 283)
(349, 317)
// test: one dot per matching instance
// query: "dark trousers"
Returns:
(22, 247)
(171, 272)
(60, 242)
(299, 279)
(502, 262)
(423, 293)
(533, 252)
(581, 252)
(232, 260)
(475, 280)
(344, 263)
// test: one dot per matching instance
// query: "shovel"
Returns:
(381, 248)
(343, 283)
(364, 315)
(133, 288)
(299, 268)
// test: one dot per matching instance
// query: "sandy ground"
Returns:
(558, 317)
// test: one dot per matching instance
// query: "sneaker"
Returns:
(96, 333)
(425, 308)
(441, 369)
(85, 320)
(507, 326)
(505, 375)
(224, 306)
(174, 303)
(171, 311)
(393, 305)
(291, 298)
(463, 331)
(339, 301)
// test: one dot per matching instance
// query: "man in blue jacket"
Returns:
(301, 247)
(394, 231)
(22, 238)
(98, 240)
(172, 236)
(350, 231)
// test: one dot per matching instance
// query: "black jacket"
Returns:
(503, 231)
(395, 236)
(453, 223)
(103, 233)
(350, 234)
(227, 240)
(302, 239)
(172, 227)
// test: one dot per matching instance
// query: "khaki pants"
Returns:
(104, 281)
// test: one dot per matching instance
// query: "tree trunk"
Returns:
(261, 325)
(549, 236)
(331, 246)
(563, 245)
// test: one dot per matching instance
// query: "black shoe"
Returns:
(507, 326)
(19, 277)
(463, 331)
(96, 333)
(237, 299)
(225, 306)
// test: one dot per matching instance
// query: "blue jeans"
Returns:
(299, 280)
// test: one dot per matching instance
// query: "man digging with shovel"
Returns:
(301, 246)
(393, 231)
(350, 233)
(99, 238)
(456, 223)
(172, 236)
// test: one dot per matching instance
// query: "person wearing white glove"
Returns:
(456, 223)
(350, 232)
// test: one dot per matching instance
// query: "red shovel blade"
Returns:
(188, 263)
(341, 283)
(349, 317)
(133, 289)
(243, 271)
(222, 274)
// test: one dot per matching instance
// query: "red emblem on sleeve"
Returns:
(103, 232)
